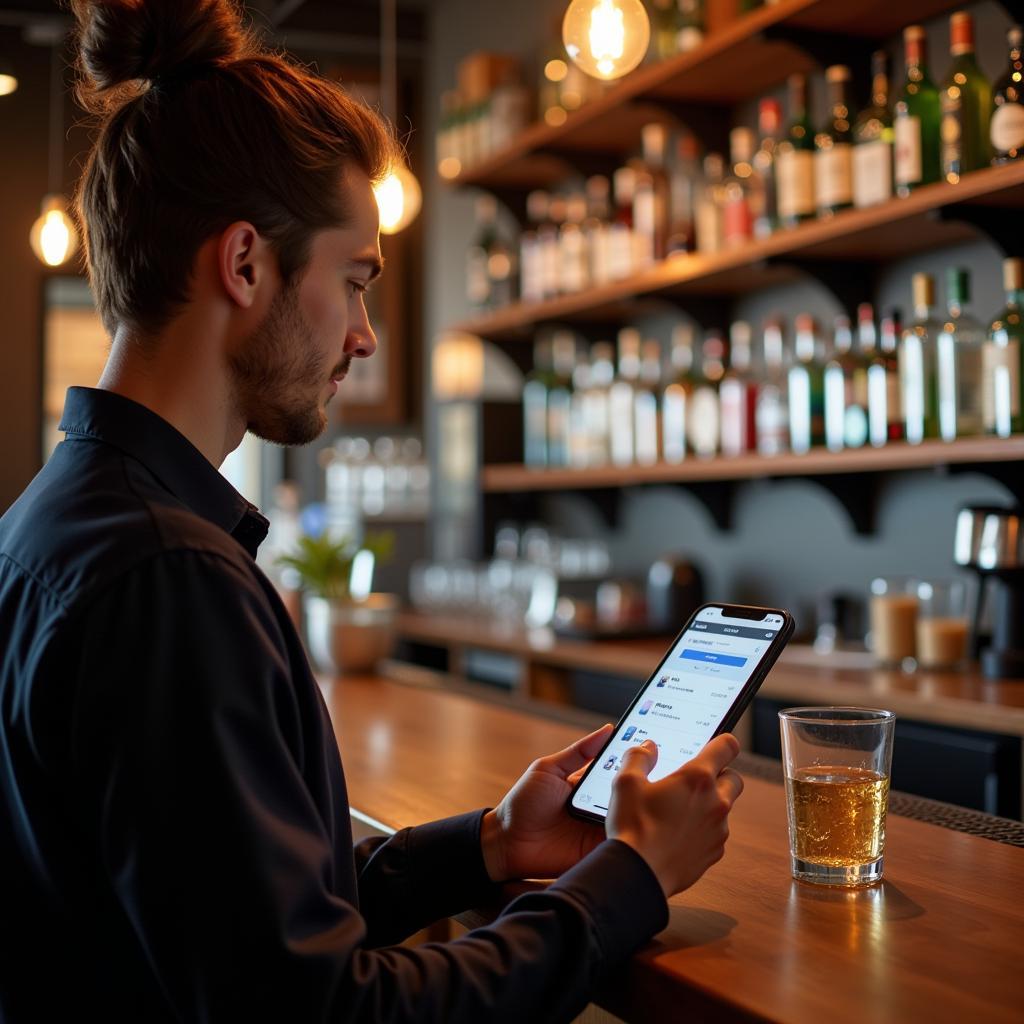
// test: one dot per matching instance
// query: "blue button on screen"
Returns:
(718, 659)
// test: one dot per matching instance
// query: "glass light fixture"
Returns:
(606, 38)
(54, 238)
(399, 195)
(398, 199)
(8, 79)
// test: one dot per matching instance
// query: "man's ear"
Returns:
(246, 263)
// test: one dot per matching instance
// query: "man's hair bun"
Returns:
(131, 41)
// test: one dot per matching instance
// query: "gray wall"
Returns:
(790, 539)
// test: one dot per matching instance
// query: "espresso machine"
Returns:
(990, 540)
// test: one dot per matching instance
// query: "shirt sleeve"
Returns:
(187, 756)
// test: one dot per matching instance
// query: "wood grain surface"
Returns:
(939, 940)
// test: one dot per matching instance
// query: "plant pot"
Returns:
(348, 637)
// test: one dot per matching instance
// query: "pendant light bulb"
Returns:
(8, 79)
(398, 199)
(606, 38)
(54, 238)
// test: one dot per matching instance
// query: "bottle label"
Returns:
(872, 172)
(620, 251)
(795, 179)
(907, 131)
(702, 421)
(709, 226)
(799, 410)
(833, 175)
(644, 226)
(738, 224)
(960, 384)
(1001, 387)
(673, 423)
(573, 267)
(1006, 128)
(645, 429)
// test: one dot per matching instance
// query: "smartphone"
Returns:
(710, 674)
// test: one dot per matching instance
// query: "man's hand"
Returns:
(678, 824)
(530, 834)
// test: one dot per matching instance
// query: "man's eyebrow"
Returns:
(373, 264)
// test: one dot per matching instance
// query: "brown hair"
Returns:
(199, 127)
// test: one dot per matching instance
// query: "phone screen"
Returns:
(690, 695)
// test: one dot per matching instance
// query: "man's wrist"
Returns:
(492, 847)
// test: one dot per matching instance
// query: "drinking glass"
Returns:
(837, 764)
(942, 623)
(893, 618)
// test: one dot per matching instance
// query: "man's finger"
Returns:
(640, 759)
(576, 756)
(719, 753)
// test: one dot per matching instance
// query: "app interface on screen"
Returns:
(690, 694)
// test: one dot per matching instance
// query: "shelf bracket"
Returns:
(717, 496)
(1009, 474)
(850, 281)
(857, 493)
(994, 222)
(607, 501)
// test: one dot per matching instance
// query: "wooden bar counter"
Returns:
(939, 940)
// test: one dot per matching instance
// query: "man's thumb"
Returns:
(640, 759)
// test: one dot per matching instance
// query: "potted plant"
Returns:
(348, 628)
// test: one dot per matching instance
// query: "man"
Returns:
(175, 840)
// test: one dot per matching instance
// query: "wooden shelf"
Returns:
(933, 216)
(744, 60)
(894, 457)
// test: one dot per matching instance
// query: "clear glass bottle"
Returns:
(646, 410)
(743, 190)
(579, 427)
(549, 245)
(885, 417)
(1003, 361)
(621, 398)
(966, 99)
(1006, 128)
(833, 156)
(794, 162)
(772, 413)
(917, 364)
(703, 426)
(596, 229)
(916, 118)
(873, 140)
(684, 182)
(711, 206)
(535, 404)
(806, 380)
(478, 282)
(563, 345)
(531, 270)
(846, 391)
(574, 260)
(737, 394)
(675, 399)
(621, 247)
(651, 197)
(769, 124)
(958, 362)
(602, 375)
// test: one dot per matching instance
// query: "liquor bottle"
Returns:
(873, 140)
(478, 282)
(1006, 129)
(574, 261)
(794, 162)
(769, 124)
(596, 412)
(966, 98)
(621, 246)
(596, 229)
(563, 346)
(917, 114)
(535, 405)
(737, 394)
(549, 248)
(833, 156)
(684, 180)
(742, 190)
(885, 417)
(703, 426)
(579, 435)
(675, 399)
(917, 364)
(846, 392)
(621, 396)
(531, 268)
(646, 418)
(651, 197)
(772, 412)
(710, 212)
(1003, 359)
(958, 362)
(510, 109)
(806, 380)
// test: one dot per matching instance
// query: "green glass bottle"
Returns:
(1006, 129)
(1003, 359)
(958, 362)
(846, 391)
(806, 388)
(966, 99)
(833, 157)
(917, 114)
(794, 160)
(535, 404)
(873, 140)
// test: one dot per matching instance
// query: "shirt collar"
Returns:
(179, 466)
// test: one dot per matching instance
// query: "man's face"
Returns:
(287, 371)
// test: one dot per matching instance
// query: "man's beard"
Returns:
(278, 377)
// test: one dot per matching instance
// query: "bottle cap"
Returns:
(923, 287)
(1015, 36)
(961, 33)
(742, 143)
(652, 140)
(958, 286)
(769, 116)
(804, 323)
(1013, 274)
(914, 40)
(837, 73)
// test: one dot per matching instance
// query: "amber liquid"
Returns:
(837, 815)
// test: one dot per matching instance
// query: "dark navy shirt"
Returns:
(175, 840)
